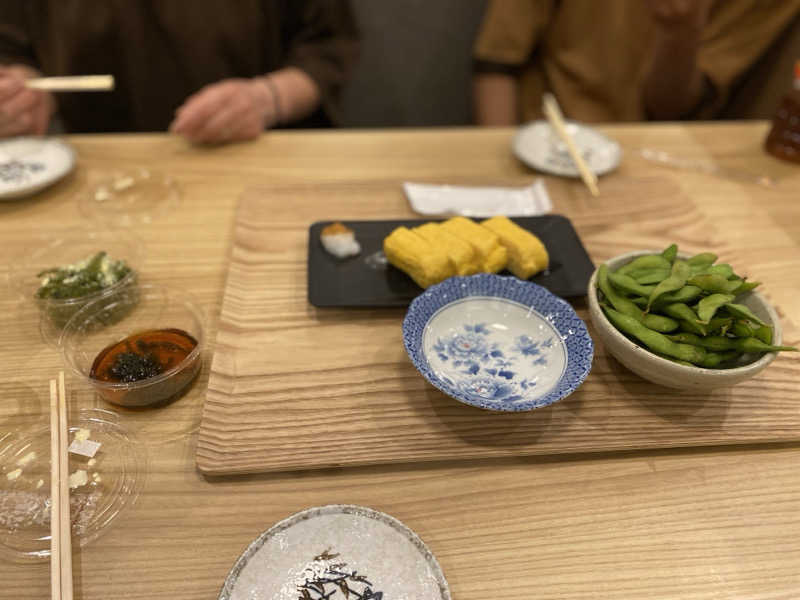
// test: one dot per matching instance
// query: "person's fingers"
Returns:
(10, 85)
(22, 102)
(200, 107)
(237, 127)
(248, 128)
(223, 124)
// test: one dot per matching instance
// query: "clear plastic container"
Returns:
(114, 479)
(68, 247)
(145, 309)
(130, 196)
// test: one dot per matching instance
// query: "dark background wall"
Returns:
(415, 63)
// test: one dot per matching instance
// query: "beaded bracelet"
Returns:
(276, 99)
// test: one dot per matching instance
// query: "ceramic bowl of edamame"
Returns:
(683, 320)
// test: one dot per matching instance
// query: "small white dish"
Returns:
(337, 552)
(539, 147)
(30, 164)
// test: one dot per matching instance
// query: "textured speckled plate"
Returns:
(497, 343)
(337, 552)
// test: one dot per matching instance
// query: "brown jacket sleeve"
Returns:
(323, 42)
(15, 45)
(509, 33)
(737, 34)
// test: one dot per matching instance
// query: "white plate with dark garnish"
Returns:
(337, 552)
(30, 164)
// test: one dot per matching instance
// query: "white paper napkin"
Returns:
(466, 201)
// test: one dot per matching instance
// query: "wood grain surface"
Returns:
(689, 524)
(298, 387)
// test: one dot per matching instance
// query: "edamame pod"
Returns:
(646, 276)
(675, 281)
(626, 307)
(657, 342)
(713, 359)
(720, 325)
(659, 323)
(628, 284)
(649, 261)
(723, 269)
(620, 303)
(746, 286)
(764, 333)
(685, 363)
(715, 343)
(740, 311)
(692, 327)
(686, 294)
(704, 258)
(709, 305)
(743, 329)
(709, 282)
(670, 253)
(753, 345)
(733, 285)
(682, 311)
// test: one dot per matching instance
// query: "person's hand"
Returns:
(680, 14)
(22, 110)
(226, 111)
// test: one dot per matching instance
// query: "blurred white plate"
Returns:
(29, 164)
(539, 147)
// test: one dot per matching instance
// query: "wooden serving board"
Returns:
(298, 387)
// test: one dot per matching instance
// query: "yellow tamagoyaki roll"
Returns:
(461, 253)
(425, 263)
(526, 253)
(492, 256)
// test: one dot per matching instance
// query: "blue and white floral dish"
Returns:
(498, 343)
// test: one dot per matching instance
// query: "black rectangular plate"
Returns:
(354, 282)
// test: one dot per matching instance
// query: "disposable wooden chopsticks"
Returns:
(79, 83)
(60, 524)
(55, 496)
(556, 119)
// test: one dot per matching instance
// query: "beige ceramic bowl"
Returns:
(667, 373)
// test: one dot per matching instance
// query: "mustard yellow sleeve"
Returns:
(510, 30)
(737, 34)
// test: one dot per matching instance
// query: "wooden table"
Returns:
(689, 524)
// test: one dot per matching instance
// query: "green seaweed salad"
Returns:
(88, 276)
(687, 311)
